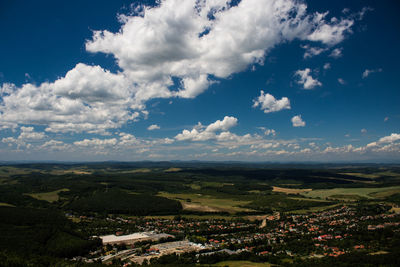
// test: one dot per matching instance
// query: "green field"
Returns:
(194, 217)
(48, 196)
(313, 209)
(206, 203)
(241, 264)
(2, 204)
(373, 175)
(362, 192)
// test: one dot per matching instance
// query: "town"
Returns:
(330, 233)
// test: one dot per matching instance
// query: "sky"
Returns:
(216, 80)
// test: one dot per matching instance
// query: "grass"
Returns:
(141, 170)
(206, 203)
(7, 181)
(384, 194)
(241, 264)
(314, 209)
(374, 175)
(48, 196)
(2, 204)
(194, 217)
(7, 171)
(308, 199)
(69, 171)
(173, 170)
(195, 186)
(346, 197)
(289, 190)
(395, 209)
(362, 192)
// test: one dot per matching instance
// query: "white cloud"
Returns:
(367, 72)
(363, 11)
(268, 103)
(55, 145)
(153, 127)
(336, 53)
(95, 142)
(341, 81)
(200, 133)
(7, 89)
(330, 33)
(178, 39)
(386, 119)
(327, 66)
(88, 99)
(390, 139)
(224, 125)
(297, 121)
(306, 79)
(27, 134)
(345, 10)
(188, 41)
(270, 132)
(312, 51)
(364, 131)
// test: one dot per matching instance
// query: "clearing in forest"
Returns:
(289, 190)
(206, 203)
(48, 196)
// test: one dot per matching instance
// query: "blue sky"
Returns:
(251, 80)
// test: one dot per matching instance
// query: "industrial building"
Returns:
(132, 238)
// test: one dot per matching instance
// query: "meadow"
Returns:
(48, 196)
(369, 193)
(207, 203)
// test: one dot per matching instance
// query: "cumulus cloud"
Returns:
(297, 121)
(341, 81)
(270, 132)
(367, 72)
(182, 44)
(201, 133)
(224, 125)
(217, 131)
(268, 103)
(27, 134)
(390, 139)
(193, 40)
(327, 66)
(54, 145)
(96, 142)
(88, 99)
(306, 79)
(312, 51)
(153, 127)
(336, 53)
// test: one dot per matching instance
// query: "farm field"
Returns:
(289, 190)
(172, 169)
(206, 203)
(373, 175)
(362, 192)
(48, 196)
(2, 204)
(313, 209)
